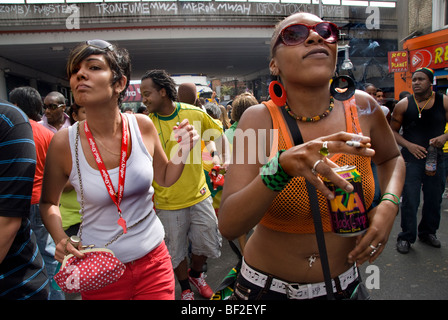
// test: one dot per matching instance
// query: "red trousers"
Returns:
(148, 278)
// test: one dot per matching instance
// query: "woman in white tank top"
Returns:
(117, 158)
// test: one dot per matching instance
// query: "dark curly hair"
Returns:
(29, 100)
(163, 81)
(117, 58)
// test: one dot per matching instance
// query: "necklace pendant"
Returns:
(419, 115)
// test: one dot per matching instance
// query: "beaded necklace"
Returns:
(311, 119)
(418, 108)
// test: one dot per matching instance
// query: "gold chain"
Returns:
(113, 153)
(82, 197)
(418, 108)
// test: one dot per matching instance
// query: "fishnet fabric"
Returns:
(291, 212)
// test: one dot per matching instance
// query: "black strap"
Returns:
(293, 127)
(312, 194)
(314, 203)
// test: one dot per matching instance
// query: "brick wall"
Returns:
(420, 16)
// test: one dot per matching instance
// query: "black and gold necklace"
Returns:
(418, 108)
(311, 119)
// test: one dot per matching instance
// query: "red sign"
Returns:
(398, 61)
(133, 93)
(434, 57)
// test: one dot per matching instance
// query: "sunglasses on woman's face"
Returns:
(100, 44)
(296, 34)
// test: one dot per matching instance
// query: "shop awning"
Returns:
(441, 73)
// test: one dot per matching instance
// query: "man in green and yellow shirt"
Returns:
(185, 208)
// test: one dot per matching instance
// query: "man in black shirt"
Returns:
(22, 272)
(423, 117)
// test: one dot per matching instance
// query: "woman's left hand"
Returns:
(186, 134)
(370, 245)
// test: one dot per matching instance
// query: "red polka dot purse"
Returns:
(96, 270)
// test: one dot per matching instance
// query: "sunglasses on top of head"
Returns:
(296, 34)
(100, 44)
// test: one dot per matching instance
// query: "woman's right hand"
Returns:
(307, 161)
(64, 247)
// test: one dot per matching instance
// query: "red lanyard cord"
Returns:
(115, 196)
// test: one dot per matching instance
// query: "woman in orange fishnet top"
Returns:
(281, 258)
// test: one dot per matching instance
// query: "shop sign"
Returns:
(398, 61)
(434, 57)
(133, 93)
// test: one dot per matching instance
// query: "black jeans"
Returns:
(432, 187)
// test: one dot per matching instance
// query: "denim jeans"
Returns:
(47, 249)
(432, 187)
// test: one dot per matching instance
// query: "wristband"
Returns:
(396, 197)
(390, 201)
(273, 175)
(213, 153)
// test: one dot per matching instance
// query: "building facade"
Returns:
(425, 40)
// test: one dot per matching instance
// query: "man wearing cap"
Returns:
(423, 117)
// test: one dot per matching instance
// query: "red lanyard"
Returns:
(115, 196)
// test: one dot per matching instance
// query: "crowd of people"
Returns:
(140, 183)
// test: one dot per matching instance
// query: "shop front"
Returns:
(431, 51)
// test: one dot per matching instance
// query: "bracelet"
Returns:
(397, 203)
(66, 252)
(273, 175)
(396, 197)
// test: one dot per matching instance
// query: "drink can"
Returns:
(347, 210)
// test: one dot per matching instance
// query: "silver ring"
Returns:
(374, 249)
(313, 170)
(74, 240)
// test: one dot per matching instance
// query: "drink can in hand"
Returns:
(348, 211)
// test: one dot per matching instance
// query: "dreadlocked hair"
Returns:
(163, 81)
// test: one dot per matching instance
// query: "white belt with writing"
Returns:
(296, 290)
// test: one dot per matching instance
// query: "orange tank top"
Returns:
(290, 211)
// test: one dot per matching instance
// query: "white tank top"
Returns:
(99, 225)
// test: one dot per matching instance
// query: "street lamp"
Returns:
(347, 64)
